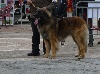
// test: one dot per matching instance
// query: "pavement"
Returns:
(15, 43)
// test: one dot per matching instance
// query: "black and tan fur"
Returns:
(54, 30)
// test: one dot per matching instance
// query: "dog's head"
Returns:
(42, 15)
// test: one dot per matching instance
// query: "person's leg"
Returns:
(69, 14)
(35, 40)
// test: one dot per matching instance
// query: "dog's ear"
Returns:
(44, 10)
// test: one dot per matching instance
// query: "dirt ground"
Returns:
(15, 43)
(16, 29)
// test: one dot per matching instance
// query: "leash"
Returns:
(33, 5)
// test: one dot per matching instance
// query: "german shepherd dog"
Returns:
(54, 30)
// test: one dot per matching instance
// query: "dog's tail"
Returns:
(86, 36)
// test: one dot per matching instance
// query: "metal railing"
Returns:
(90, 12)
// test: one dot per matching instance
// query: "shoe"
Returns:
(99, 42)
(34, 54)
(44, 52)
(62, 43)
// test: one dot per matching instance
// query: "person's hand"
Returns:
(29, 2)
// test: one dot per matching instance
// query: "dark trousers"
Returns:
(35, 37)
(60, 9)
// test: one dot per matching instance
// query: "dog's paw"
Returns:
(45, 56)
(81, 57)
(52, 57)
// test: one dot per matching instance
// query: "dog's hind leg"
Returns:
(82, 49)
(48, 47)
(82, 46)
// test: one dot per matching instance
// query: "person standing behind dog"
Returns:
(59, 10)
(36, 36)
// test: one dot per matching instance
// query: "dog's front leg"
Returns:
(54, 47)
(47, 46)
